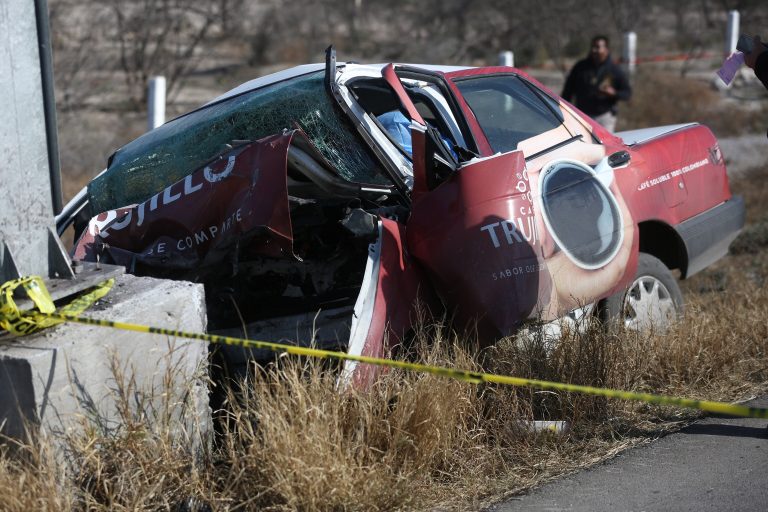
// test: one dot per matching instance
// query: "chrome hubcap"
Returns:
(648, 305)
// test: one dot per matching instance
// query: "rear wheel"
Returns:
(652, 301)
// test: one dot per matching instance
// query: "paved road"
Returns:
(716, 464)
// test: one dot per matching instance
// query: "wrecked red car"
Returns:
(323, 203)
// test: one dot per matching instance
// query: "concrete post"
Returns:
(732, 34)
(28, 244)
(629, 52)
(156, 102)
(51, 378)
(507, 59)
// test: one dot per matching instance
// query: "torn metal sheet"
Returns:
(229, 208)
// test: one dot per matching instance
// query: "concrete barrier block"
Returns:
(57, 377)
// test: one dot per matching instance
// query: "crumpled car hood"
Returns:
(236, 203)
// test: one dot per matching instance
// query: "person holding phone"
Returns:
(597, 84)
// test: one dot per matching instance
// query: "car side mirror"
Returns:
(619, 158)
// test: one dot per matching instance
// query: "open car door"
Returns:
(504, 243)
(475, 232)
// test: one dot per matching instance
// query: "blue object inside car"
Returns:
(399, 127)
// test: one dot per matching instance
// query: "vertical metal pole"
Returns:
(629, 52)
(507, 59)
(156, 102)
(49, 102)
(732, 34)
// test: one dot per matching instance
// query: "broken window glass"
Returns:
(169, 153)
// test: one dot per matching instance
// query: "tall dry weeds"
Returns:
(31, 478)
(308, 445)
(294, 441)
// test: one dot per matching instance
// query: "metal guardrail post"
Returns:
(629, 52)
(155, 102)
(507, 59)
(732, 33)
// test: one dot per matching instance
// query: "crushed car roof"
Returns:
(304, 69)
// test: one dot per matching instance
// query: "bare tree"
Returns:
(77, 30)
(160, 37)
(136, 38)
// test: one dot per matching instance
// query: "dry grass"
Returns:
(30, 479)
(294, 442)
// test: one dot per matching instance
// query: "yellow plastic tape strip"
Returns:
(86, 300)
(463, 375)
(11, 319)
(20, 323)
(42, 318)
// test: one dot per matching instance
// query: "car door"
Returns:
(503, 240)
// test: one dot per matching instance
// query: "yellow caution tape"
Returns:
(20, 324)
(39, 318)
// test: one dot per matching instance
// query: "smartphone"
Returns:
(745, 44)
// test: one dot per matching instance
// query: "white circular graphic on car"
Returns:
(581, 213)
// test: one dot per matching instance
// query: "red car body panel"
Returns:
(482, 237)
(199, 220)
(678, 176)
(400, 289)
(452, 231)
(669, 179)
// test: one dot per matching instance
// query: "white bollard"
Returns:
(629, 52)
(732, 35)
(507, 59)
(156, 102)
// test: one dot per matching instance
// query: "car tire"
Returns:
(652, 302)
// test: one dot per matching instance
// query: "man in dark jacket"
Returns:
(598, 84)
(757, 59)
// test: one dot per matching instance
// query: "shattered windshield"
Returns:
(169, 153)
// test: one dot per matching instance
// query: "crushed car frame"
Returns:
(324, 204)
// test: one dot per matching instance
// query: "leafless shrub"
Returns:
(161, 37)
(136, 39)
(77, 30)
